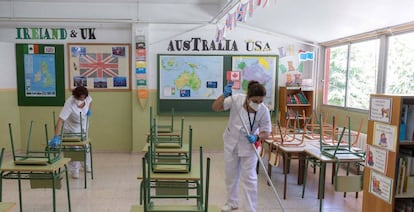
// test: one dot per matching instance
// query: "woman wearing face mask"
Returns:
(239, 156)
(79, 103)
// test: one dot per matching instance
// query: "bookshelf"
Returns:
(395, 196)
(293, 101)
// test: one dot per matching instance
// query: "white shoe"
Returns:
(75, 175)
(227, 207)
(88, 169)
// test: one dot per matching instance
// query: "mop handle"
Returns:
(260, 160)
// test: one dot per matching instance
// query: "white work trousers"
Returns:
(74, 166)
(244, 169)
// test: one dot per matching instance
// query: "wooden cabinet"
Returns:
(375, 199)
(295, 103)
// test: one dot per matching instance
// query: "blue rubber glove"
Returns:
(227, 89)
(251, 138)
(89, 113)
(54, 142)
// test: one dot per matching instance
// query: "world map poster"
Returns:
(40, 75)
(190, 77)
(258, 68)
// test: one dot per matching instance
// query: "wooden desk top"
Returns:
(193, 175)
(293, 148)
(316, 152)
(183, 149)
(6, 206)
(10, 166)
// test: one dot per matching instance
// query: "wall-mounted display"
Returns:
(190, 83)
(40, 74)
(99, 66)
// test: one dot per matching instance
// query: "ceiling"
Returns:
(313, 21)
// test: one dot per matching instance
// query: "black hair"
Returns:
(255, 89)
(80, 91)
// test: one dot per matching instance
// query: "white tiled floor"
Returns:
(116, 188)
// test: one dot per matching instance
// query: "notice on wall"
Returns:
(376, 158)
(380, 186)
(385, 136)
(380, 109)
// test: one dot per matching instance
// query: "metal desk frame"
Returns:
(29, 172)
(77, 147)
(315, 156)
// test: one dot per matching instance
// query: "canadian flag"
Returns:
(32, 49)
(233, 76)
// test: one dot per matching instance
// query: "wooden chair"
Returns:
(313, 126)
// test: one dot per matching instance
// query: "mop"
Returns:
(260, 161)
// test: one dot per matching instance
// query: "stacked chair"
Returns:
(339, 151)
(168, 173)
(31, 157)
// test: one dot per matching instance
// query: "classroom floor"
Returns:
(116, 188)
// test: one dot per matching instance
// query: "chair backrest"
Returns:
(75, 136)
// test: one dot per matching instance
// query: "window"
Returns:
(400, 65)
(351, 74)
(336, 75)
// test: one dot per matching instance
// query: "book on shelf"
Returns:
(303, 98)
(405, 174)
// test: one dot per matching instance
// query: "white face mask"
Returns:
(79, 102)
(253, 106)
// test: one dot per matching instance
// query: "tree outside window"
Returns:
(351, 74)
(400, 65)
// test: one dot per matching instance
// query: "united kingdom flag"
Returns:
(98, 65)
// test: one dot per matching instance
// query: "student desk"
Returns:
(77, 151)
(35, 172)
(315, 154)
(289, 153)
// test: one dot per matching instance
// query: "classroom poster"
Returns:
(376, 158)
(39, 72)
(99, 66)
(385, 136)
(380, 186)
(184, 77)
(380, 109)
(259, 68)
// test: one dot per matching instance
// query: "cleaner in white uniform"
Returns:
(239, 156)
(79, 103)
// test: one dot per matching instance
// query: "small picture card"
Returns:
(385, 136)
(380, 109)
(381, 186)
(376, 158)
(185, 93)
(211, 84)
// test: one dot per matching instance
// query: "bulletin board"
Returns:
(99, 66)
(40, 74)
(191, 83)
